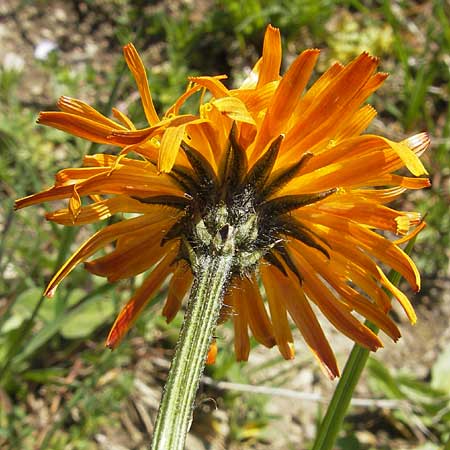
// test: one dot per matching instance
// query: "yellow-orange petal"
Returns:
(212, 352)
(119, 115)
(337, 279)
(79, 126)
(134, 257)
(213, 84)
(271, 57)
(74, 204)
(256, 100)
(80, 108)
(357, 123)
(130, 312)
(285, 99)
(234, 299)
(400, 296)
(380, 195)
(332, 95)
(95, 243)
(407, 155)
(389, 253)
(278, 314)
(204, 138)
(418, 143)
(190, 90)
(335, 311)
(53, 193)
(137, 68)
(234, 108)
(170, 146)
(124, 138)
(257, 317)
(396, 180)
(100, 210)
(412, 234)
(304, 317)
(76, 175)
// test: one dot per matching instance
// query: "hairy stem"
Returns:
(177, 404)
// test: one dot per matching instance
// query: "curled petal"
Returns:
(140, 75)
(130, 312)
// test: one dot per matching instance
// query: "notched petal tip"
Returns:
(418, 143)
(367, 55)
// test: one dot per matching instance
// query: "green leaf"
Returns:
(440, 373)
(48, 375)
(87, 317)
(420, 389)
(50, 329)
(24, 306)
(384, 381)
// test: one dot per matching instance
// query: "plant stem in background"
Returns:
(337, 409)
(175, 411)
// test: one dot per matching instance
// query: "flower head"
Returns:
(282, 169)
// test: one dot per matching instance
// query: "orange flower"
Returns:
(283, 170)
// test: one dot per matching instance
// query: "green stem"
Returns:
(175, 411)
(337, 409)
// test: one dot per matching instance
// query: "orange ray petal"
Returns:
(256, 100)
(133, 256)
(119, 115)
(80, 126)
(271, 57)
(358, 122)
(373, 243)
(175, 108)
(338, 92)
(258, 319)
(213, 84)
(285, 99)
(319, 87)
(335, 311)
(53, 193)
(75, 106)
(370, 213)
(140, 136)
(396, 180)
(357, 302)
(137, 68)
(387, 252)
(277, 306)
(76, 175)
(400, 296)
(290, 293)
(234, 108)
(95, 243)
(130, 312)
(379, 195)
(100, 210)
(235, 300)
(170, 146)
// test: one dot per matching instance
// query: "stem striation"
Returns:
(212, 273)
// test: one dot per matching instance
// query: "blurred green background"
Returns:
(59, 387)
